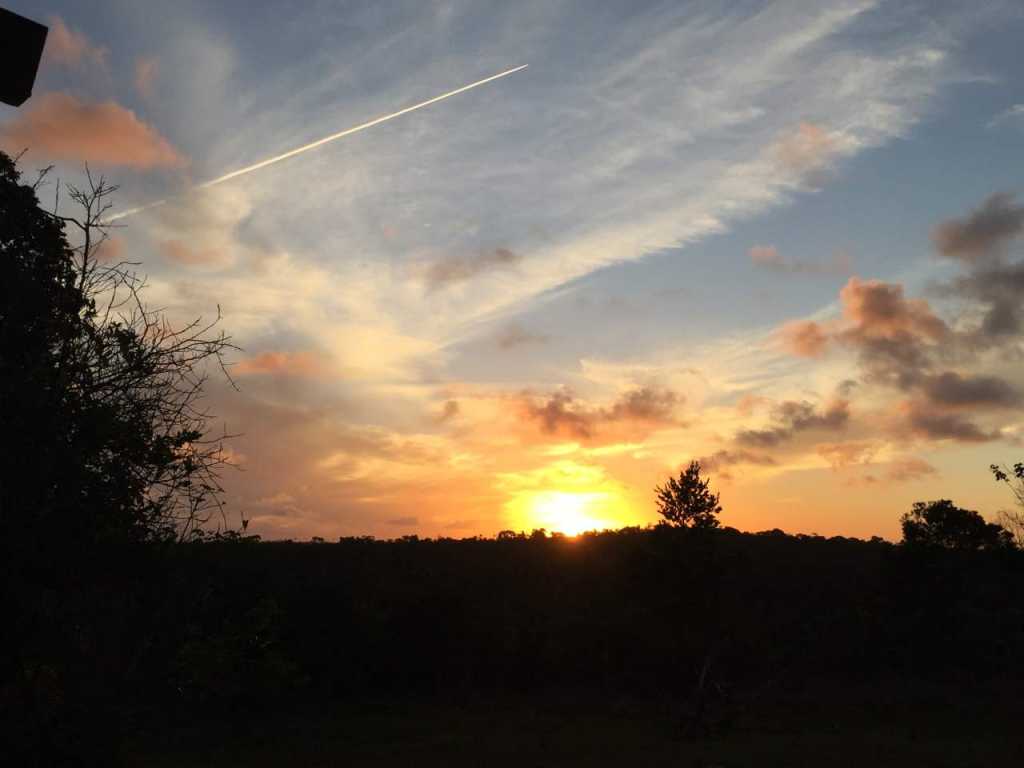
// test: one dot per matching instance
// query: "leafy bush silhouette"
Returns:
(1012, 519)
(942, 525)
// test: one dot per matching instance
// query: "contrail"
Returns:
(320, 142)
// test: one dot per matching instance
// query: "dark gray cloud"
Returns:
(722, 461)
(792, 417)
(983, 232)
(448, 411)
(903, 344)
(561, 413)
(924, 420)
(980, 242)
(901, 361)
(999, 289)
(644, 404)
(952, 389)
(516, 336)
(454, 269)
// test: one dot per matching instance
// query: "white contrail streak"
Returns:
(320, 142)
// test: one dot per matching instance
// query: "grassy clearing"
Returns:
(862, 728)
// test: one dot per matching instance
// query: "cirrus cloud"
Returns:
(70, 48)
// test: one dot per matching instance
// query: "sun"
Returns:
(566, 512)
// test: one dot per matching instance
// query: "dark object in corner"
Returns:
(21, 48)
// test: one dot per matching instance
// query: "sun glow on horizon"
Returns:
(566, 512)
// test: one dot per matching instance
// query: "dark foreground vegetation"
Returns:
(134, 636)
(659, 639)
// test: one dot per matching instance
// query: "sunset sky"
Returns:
(783, 238)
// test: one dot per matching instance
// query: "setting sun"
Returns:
(568, 513)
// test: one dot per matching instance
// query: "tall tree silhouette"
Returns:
(687, 501)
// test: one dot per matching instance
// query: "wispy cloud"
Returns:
(768, 257)
(1012, 114)
(390, 254)
(71, 48)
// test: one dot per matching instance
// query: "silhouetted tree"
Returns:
(101, 396)
(941, 524)
(1012, 519)
(105, 446)
(687, 501)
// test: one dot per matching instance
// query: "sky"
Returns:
(780, 238)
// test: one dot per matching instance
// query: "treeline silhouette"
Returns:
(125, 613)
(643, 610)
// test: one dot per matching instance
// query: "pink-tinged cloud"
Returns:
(182, 253)
(879, 310)
(807, 150)
(280, 364)
(768, 257)
(747, 404)
(61, 127)
(804, 338)
(846, 454)
(908, 469)
(145, 75)
(66, 47)
(111, 250)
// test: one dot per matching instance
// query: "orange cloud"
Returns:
(280, 364)
(69, 48)
(747, 404)
(804, 338)
(879, 310)
(177, 251)
(62, 127)
(908, 469)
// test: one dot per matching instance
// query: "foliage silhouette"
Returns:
(941, 524)
(109, 390)
(123, 609)
(1012, 519)
(687, 501)
(107, 462)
